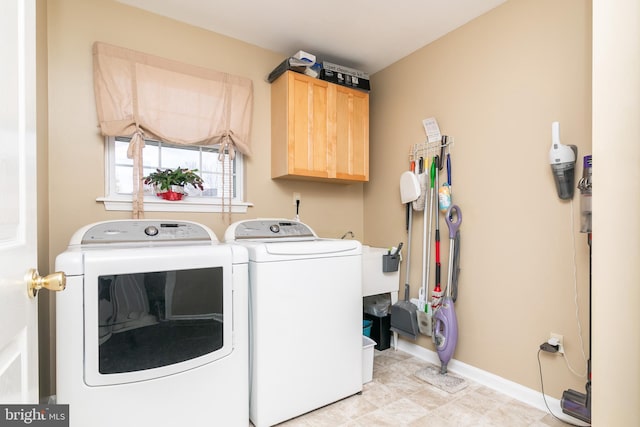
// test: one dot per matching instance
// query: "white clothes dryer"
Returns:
(152, 329)
(305, 308)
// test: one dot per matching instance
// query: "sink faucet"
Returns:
(348, 233)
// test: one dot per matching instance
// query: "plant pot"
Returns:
(171, 195)
(175, 192)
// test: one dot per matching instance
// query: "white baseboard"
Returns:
(517, 391)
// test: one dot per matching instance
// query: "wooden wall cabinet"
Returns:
(319, 130)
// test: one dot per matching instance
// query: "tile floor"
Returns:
(396, 398)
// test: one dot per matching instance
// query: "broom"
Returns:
(403, 313)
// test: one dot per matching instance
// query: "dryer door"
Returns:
(155, 311)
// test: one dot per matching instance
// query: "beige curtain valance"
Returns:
(141, 95)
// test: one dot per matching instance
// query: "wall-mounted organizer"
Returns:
(431, 149)
(432, 202)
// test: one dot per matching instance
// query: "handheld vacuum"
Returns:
(563, 163)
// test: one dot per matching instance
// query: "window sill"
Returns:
(155, 204)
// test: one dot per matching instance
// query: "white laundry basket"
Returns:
(367, 359)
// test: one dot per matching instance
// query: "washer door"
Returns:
(152, 312)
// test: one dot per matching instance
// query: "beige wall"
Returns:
(496, 85)
(76, 156)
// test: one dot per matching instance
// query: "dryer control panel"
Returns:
(269, 229)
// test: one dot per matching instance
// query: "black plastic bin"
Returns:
(380, 330)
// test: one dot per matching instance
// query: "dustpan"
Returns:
(403, 313)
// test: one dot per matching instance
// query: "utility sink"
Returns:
(374, 280)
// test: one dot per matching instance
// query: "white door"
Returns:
(18, 313)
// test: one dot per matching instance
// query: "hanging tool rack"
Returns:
(431, 149)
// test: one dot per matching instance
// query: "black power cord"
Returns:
(552, 349)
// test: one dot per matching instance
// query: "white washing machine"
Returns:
(305, 304)
(152, 328)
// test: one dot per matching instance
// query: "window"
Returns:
(221, 178)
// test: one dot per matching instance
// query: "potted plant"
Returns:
(169, 183)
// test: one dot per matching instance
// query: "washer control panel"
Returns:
(270, 229)
(142, 231)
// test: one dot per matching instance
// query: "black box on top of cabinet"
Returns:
(345, 76)
(294, 64)
(380, 330)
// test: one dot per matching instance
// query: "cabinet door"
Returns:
(308, 141)
(299, 127)
(351, 134)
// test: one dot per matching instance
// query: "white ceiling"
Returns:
(367, 35)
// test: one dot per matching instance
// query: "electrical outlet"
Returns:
(296, 197)
(559, 339)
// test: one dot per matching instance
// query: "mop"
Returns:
(445, 323)
(446, 382)
(436, 295)
(419, 203)
(424, 313)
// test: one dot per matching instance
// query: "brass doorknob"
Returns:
(54, 282)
